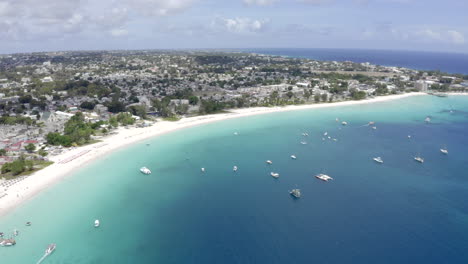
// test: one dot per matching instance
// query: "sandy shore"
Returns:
(68, 162)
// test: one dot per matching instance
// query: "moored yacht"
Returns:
(296, 193)
(145, 170)
(427, 120)
(203, 169)
(419, 159)
(234, 168)
(293, 157)
(269, 162)
(274, 175)
(7, 242)
(303, 143)
(323, 177)
(378, 159)
(344, 123)
(97, 223)
(444, 150)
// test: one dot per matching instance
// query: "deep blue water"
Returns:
(397, 212)
(445, 62)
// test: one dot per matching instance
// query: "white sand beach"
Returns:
(66, 163)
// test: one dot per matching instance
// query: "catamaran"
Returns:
(145, 170)
(275, 175)
(378, 159)
(323, 177)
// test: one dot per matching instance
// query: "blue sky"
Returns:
(48, 25)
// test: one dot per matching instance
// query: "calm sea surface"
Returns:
(445, 62)
(397, 212)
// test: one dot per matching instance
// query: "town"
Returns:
(51, 102)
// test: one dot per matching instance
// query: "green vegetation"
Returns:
(3, 152)
(211, 106)
(30, 147)
(357, 95)
(15, 120)
(76, 131)
(172, 118)
(22, 166)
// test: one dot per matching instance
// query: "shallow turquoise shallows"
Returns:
(400, 211)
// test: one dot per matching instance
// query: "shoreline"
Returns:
(66, 163)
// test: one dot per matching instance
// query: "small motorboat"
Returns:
(303, 143)
(28, 223)
(269, 162)
(275, 175)
(323, 177)
(344, 123)
(293, 157)
(371, 123)
(234, 168)
(444, 151)
(427, 120)
(378, 160)
(296, 193)
(50, 248)
(325, 134)
(419, 159)
(374, 127)
(97, 223)
(145, 170)
(202, 169)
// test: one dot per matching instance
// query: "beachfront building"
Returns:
(421, 85)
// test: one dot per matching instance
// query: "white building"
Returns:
(421, 85)
(47, 79)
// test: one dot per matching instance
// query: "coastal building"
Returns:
(421, 85)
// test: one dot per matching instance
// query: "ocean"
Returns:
(400, 211)
(445, 62)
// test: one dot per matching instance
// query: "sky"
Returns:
(56, 25)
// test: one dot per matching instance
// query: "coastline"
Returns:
(71, 160)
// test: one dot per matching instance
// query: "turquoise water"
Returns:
(397, 212)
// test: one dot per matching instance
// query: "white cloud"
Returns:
(259, 2)
(118, 32)
(243, 25)
(456, 37)
(159, 7)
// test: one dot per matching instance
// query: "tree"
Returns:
(116, 107)
(324, 97)
(3, 152)
(30, 147)
(317, 98)
(138, 110)
(43, 153)
(193, 100)
(289, 94)
(87, 105)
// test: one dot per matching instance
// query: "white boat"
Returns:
(269, 162)
(323, 177)
(203, 169)
(337, 119)
(325, 134)
(274, 175)
(234, 168)
(378, 159)
(7, 242)
(305, 134)
(97, 223)
(409, 136)
(419, 159)
(427, 120)
(50, 249)
(293, 157)
(145, 170)
(371, 123)
(335, 139)
(344, 123)
(374, 127)
(15, 232)
(303, 143)
(235, 133)
(296, 193)
(444, 150)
